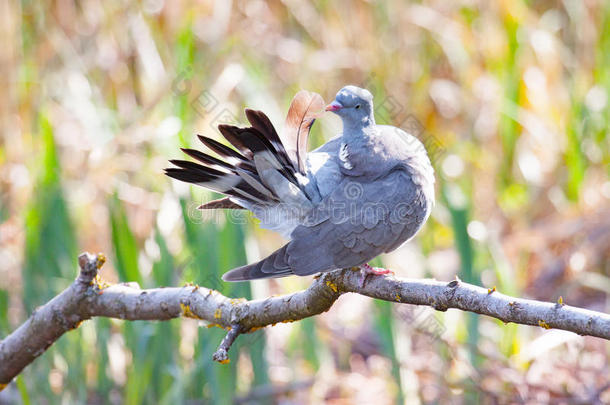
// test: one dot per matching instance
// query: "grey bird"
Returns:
(364, 192)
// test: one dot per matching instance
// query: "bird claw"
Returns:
(367, 270)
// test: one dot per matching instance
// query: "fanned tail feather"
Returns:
(263, 125)
(216, 180)
(224, 202)
(235, 173)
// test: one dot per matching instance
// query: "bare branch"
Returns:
(88, 297)
(222, 354)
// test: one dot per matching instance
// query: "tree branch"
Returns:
(88, 297)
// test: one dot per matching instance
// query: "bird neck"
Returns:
(358, 130)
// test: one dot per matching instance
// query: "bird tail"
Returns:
(238, 173)
(274, 265)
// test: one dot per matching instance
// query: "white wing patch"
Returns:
(316, 160)
(325, 168)
(344, 157)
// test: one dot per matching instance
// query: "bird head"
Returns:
(353, 105)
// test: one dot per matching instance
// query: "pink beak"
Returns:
(334, 106)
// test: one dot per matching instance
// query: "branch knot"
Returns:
(89, 265)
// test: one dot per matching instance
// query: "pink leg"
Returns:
(366, 270)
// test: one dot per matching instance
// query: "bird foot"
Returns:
(367, 270)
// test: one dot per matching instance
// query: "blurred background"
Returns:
(510, 97)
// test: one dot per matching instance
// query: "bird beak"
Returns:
(334, 106)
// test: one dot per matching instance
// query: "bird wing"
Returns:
(236, 172)
(355, 223)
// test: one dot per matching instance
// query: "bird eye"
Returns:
(357, 106)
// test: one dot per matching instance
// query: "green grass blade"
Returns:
(123, 243)
(23, 390)
(4, 324)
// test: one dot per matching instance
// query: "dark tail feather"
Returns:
(183, 175)
(251, 141)
(247, 140)
(226, 152)
(222, 182)
(231, 134)
(263, 125)
(207, 159)
(204, 171)
(261, 122)
(221, 203)
(219, 148)
(274, 265)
